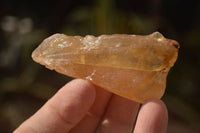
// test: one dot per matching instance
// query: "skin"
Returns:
(80, 107)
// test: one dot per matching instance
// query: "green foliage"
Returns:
(25, 85)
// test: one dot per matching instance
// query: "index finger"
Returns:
(63, 111)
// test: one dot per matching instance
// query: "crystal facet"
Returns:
(132, 66)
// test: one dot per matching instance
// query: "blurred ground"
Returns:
(25, 85)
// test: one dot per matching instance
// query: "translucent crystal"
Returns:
(131, 66)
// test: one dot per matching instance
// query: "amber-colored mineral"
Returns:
(132, 66)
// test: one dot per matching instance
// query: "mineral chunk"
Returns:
(132, 66)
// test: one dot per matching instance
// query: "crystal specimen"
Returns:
(132, 66)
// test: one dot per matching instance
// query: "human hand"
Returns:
(80, 107)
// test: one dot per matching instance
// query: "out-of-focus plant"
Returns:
(25, 85)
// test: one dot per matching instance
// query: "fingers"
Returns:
(90, 122)
(63, 111)
(120, 116)
(152, 118)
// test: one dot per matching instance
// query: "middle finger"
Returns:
(120, 115)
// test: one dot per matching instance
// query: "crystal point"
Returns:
(132, 66)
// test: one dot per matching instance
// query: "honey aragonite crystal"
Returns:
(132, 66)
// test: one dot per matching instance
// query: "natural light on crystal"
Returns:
(132, 66)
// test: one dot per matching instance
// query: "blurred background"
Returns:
(25, 85)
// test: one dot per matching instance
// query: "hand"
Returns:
(80, 107)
